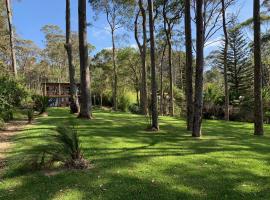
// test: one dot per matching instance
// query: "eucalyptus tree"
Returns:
(117, 13)
(172, 12)
(85, 100)
(74, 103)
(198, 97)
(154, 110)
(189, 68)
(11, 38)
(143, 53)
(258, 106)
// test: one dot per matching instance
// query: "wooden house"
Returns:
(58, 93)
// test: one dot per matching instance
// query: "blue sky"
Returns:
(31, 15)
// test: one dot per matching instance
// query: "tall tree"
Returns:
(171, 15)
(85, 100)
(154, 110)
(198, 98)
(258, 107)
(74, 103)
(226, 88)
(11, 38)
(143, 51)
(189, 69)
(117, 15)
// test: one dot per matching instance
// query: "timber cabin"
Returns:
(58, 93)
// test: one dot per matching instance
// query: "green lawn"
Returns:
(228, 162)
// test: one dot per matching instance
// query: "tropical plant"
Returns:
(64, 148)
(41, 103)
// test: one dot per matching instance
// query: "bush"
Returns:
(12, 95)
(7, 115)
(30, 115)
(41, 103)
(126, 100)
(66, 149)
(134, 108)
(2, 124)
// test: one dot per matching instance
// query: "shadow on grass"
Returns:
(130, 163)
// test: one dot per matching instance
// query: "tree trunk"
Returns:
(74, 103)
(258, 105)
(143, 49)
(11, 39)
(171, 105)
(155, 125)
(114, 74)
(198, 101)
(161, 81)
(189, 70)
(227, 101)
(85, 101)
(168, 29)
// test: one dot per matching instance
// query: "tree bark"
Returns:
(143, 49)
(226, 89)
(11, 39)
(161, 80)
(114, 74)
(198, 101)
(85, 100)
(168, 29)
(189, 70)
(74, 103)
(258, 105)
(155, 125)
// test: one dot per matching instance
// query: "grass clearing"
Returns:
(228, 162)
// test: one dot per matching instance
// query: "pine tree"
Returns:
(239, 70)
(239, 66)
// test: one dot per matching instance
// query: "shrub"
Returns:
(30, 115)
(125, 101)
(41, 103)
(7, 115)
(12, 94)
(134, 108)
(2, 124)
(66, 150)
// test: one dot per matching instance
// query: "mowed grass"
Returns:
(228, 162)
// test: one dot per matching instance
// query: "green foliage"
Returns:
(134, 108)
(41, 103)
(62, 148)
(239, 65)
(2, 123)
(12, 95)
(30, 115)
(126, 100)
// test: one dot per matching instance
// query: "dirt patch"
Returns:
(10, 130)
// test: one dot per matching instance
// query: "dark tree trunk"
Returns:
(189, 70)
(258, 105)
(74, 103)
(198, 101)
(114, 74)
(226, 89)
(11, 39)
(155, 125)
(142, 48)
(161, 81)
(168, 29)
(85, 100)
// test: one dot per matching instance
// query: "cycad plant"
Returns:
(65, 150)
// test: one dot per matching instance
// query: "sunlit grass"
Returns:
(228, 162)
